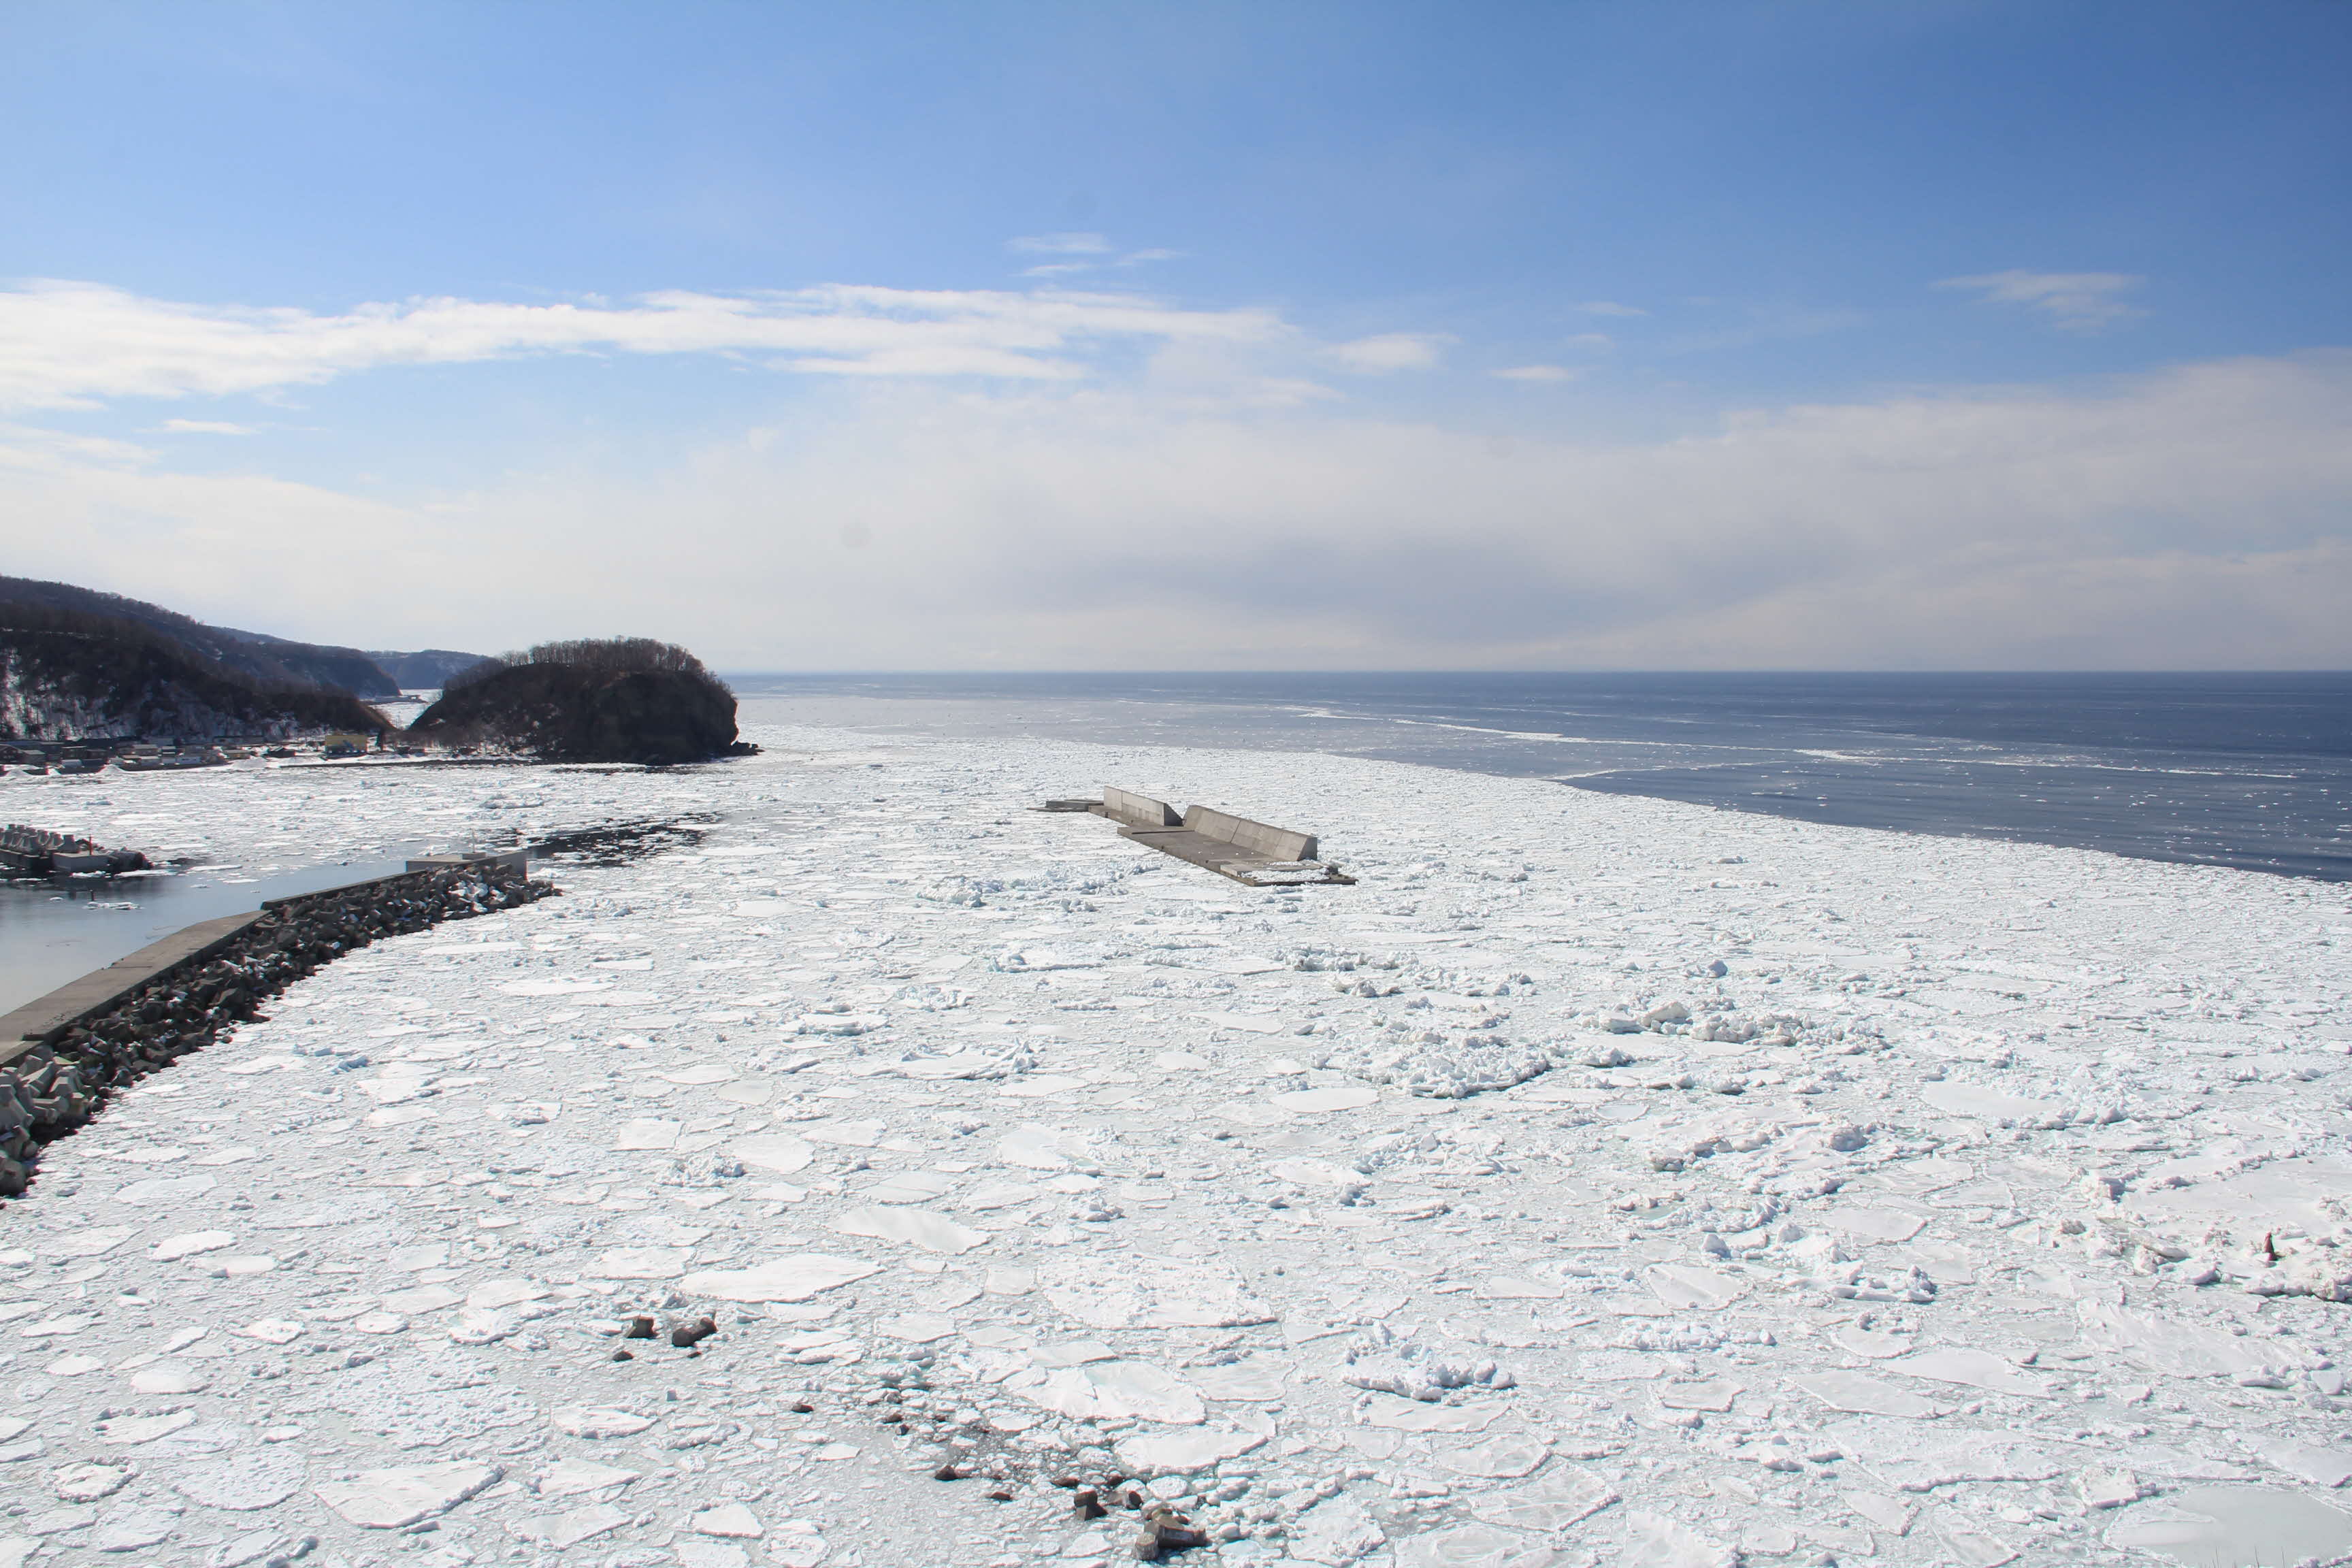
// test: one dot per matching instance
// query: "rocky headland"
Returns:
(625, 699)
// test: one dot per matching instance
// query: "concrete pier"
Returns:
(1255, 854)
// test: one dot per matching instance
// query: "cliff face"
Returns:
(258, 657)
(564, 713)
(67, 677)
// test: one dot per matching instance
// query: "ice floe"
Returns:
(1547, 1198)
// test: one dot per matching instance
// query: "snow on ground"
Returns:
(1600, 1179)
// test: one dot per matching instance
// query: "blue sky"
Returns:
(1634, 335)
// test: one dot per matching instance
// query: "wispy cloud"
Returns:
(1610, 308)
(2075, 302)
(202, 427)
(1388, 352)
(1077, 253)
(1060, 245)
(31, 447)
(2189, 519)
(72, 345)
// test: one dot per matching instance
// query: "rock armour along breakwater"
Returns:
(52, 1082)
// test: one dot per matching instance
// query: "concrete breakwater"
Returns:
(60, 1055)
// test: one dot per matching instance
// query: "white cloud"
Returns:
(70, 346)
(1609, 308)
(1133, 256)
(2193, 518)
(1060, 244)
(29, 446)
(1392, 352)
(1538, 373)
(2076, 302)
(202, 427)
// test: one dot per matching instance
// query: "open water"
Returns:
(2250, 771)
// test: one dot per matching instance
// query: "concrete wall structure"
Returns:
(1255, 854)
(1264, 842)
(1131, 810)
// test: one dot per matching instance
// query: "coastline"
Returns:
(886, 1016)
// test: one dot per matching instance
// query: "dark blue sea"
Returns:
(2251, 771)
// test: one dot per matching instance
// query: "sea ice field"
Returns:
(1599, 1180)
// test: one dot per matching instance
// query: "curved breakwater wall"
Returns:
(192, 989)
